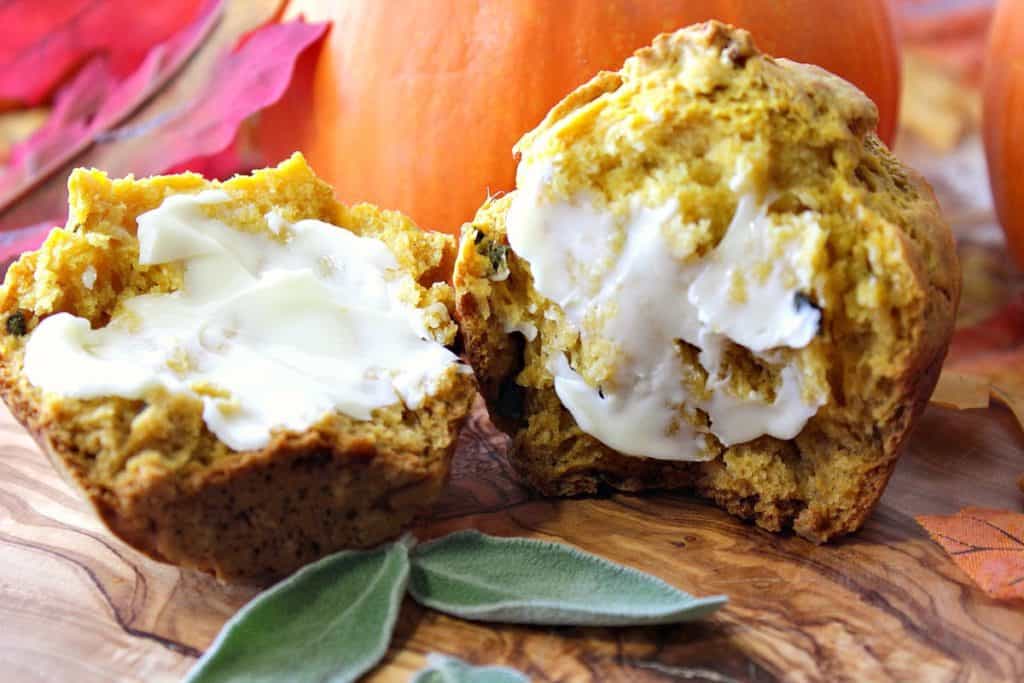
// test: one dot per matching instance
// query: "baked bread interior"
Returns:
(241, 376)
(713, 276)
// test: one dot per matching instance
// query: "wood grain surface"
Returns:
(78, 605)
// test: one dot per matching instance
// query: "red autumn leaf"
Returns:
(1005, 372)
(994, 350)
(14, 242)
(987, 544)
(93, 101)
(191, 124)
(71, 118)
(54, 37)
(246, 81)
(1003, 331)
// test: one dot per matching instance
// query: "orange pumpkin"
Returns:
(1004, 120)
(415, 104)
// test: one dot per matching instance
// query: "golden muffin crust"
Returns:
(680, 122)
(158, 477)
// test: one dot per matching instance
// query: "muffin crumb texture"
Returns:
(156, 474)
(694, 130)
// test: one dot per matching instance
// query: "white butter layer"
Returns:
(769, 314)
(616, 279)
(268, 334)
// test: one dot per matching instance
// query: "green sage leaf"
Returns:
(526, 581)
(445, 669)
(330, 622)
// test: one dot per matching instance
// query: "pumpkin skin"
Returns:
(1004, 120)
(416, 104)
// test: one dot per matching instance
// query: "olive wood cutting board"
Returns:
(78, 605)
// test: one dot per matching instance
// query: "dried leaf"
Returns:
(14, 242)
(41, 198)
(1012, 396)
(54, 38)
(990, 278)
(1005, 371)
(94, 101)
(994, 351)
(961, 392)
(1002, 331)
(246, 81)
(987, 544)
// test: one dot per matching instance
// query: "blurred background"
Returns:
(221, 87)
(943, 45)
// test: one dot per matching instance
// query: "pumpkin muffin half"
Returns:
(241, 376)
(711, 276)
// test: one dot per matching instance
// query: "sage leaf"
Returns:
(329, 622)
(526, 581)
(444, 669)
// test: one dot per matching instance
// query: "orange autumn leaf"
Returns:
(993, 350)
(987, 544)
(1001, 331)
(961, 392)
(52, 39)
(158, 120)
(1005, 371)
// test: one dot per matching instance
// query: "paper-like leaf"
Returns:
(94, 101)
(987, 544)
(1002, 331)
(42, 197)
(1004, 371)
(445, 669)
(329, 622)
(527, 581)
(994, 351)
(246, 81)
(14, 242)
(54, 37)
(961, 392)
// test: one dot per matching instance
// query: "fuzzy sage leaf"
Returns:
(444, 669)
(329, 622)
(526, 581)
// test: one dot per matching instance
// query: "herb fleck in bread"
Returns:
(692, 123)
(156, 474)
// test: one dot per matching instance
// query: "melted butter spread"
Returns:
(616, 280)
(268, 333)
